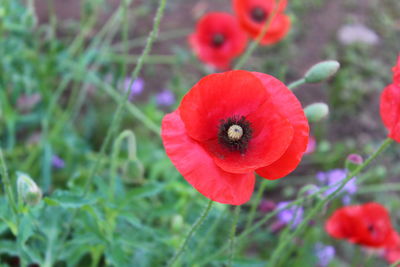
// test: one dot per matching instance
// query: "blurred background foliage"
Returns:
(63, 69)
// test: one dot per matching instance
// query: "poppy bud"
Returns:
(321, 71)
(134, 169)
(28, 191)
(177, 223)
(353, 161)
(316, 111)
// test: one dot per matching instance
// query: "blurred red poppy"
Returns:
(392, 253)
(253, 14)
(218, 39)
(368, 225)
(390, 105)
(230, 125)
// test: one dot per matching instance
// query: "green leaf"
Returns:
(69, 200)
(8, 247)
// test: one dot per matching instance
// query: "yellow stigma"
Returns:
(235, 132)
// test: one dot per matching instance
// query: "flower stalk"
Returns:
(192, 230)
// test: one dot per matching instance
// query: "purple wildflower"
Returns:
(57, 162)
(333, 178)
(165, 98)
(292, 215)
(135, 88)
(324, 254)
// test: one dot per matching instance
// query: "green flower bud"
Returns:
(316, 112)
(28, 191)
(177, 223)
(321, 71)
(353, 161)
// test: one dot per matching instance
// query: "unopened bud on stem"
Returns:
(28, 191)
(321, 71)
(316, 112)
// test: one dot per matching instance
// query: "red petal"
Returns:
(272, 134)
(277, 30)
(340, 224)
(217, 97)
(390, 110)
(209, 25)
(289, 106)
(367, 224)
(198, 168)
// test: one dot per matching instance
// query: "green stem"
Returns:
(192, 230)
(232, 235)
(379, 188)
(130, 136)
(255, 204)
(130, 107)
(255, 43)
(272, 214)
(164, 36)
(7, 184)
(122, 103)
(278, 252)
(395, 264)
(297, 83)
(132, 59)
(203, 242)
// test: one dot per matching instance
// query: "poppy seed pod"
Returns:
(28, 191)
(321, 71)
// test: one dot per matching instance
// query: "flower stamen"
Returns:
(235, 134)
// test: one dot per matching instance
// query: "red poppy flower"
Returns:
(218, 39)
(253, 14)
(230, 125)
(392, 253)
(367, 225)
(390, 105)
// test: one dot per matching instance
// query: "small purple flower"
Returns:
(57, 162)
(292, 215)
(333, 178)
(165, 98)
(135, 89)
(324, 254)
(357, 33)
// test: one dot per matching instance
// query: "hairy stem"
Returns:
(192, 230)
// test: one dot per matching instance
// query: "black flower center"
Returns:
(235, 133)
(258, 14)
(371, 228)
(217, 40)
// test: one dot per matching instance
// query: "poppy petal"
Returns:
(272, 134)
(390, 110)
(290, 107)
(277, 30)
(368, 224)
(231, 43)
(217, 97)
(199, 169)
